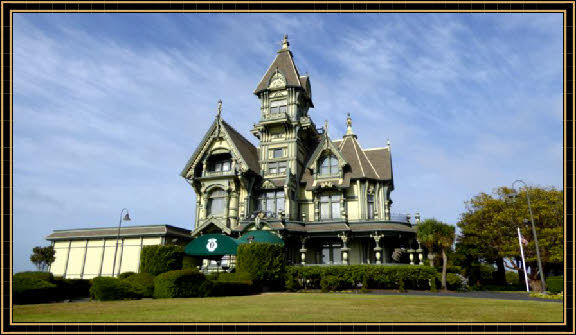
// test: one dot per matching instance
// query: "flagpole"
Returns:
(523, 262)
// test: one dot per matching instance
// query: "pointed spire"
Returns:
(285, 43)
(219, 108)
(349, 131)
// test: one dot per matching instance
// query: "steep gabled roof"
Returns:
(361, 166)
(284, 62)
(246, 151)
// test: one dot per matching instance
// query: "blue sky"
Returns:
(109, 107)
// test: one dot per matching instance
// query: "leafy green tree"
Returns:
(43, 257)
(436, 236)
(488, 229)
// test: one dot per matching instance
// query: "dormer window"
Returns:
(329, 166)
(220, 163)
(278, 106)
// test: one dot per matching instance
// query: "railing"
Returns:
(276, 116)
(400, 217)
(218, 173)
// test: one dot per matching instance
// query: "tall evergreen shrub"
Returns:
(157, 259)
(264, 262)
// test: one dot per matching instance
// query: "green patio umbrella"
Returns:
(262, 236)
(216, 245)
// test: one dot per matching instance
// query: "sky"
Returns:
(108, 107)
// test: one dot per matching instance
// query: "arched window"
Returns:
(216, 204)
(329, 166)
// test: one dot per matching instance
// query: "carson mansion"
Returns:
(328, 199)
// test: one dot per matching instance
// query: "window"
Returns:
(329, 207)
(216, 204)
(220, 163)
(277, 167)
(331, 253)
(278, 106)
(272, 202)
(277, 153)
(370, 206)
(329, 166)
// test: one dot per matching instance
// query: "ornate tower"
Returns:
(285, 131)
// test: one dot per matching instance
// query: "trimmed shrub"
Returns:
(333, 283)
(125, 275)
(264, 262)
(555, 284)
(179, 284)
(191, 262)
(108, 288)
(142, 284)
(157, 259)
(31, 288)
(72, 288)
(372, 276)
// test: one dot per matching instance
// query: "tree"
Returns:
(489, 230)
(436, 236)
(43, 257)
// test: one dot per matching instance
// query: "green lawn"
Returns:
(296, 307)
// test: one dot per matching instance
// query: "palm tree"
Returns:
(436, 235)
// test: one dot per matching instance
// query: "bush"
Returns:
(264, 262)
(157, 259)
(454, 281)
(125, 275)
(190, 262)
(108, 288)
(72, 288)
(142, 284)
(179, 284)
(555, 284)
(372, 276)
(334, 283)
(32, 288)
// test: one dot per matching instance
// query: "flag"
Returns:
(523, 240)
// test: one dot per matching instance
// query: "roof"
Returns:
(362, 163)
(128, 231)
(284, 63)
(246, 148)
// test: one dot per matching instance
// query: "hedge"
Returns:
(142, 284)
(108, 288)
(342, 277)
(263, 262)
(555, 284)
(157, 259)
(228, 284)
(179, 284)
(43, 287)
(32, 288)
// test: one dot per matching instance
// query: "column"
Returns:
(411, 254)
(387, 210)
(420, 254)
(345, 248)
(377, 249)
(303, 250)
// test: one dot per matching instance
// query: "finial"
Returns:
(349, 125)
(285, 43)
(388, 142)
(219, 108)
(326, 127)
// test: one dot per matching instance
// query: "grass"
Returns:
(296, 307)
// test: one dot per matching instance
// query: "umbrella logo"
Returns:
(212, 245)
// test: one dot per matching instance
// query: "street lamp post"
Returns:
(125, 218)
(543, 281)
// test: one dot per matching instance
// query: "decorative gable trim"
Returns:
(217, 222)
(217, 130)
(325, 145)
(268, 185)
